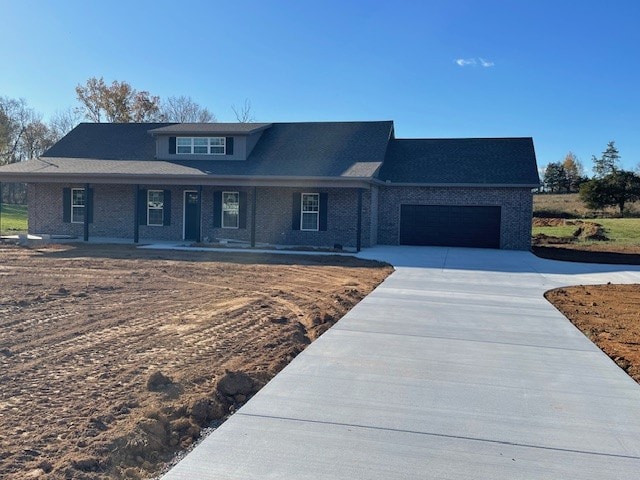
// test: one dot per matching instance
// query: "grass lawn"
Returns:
(623, 234)
(13, 218)
(621, 230)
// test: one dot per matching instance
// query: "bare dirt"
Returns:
(609, 315)
(583, 230)
(113, 359)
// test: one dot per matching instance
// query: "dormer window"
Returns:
(201, 145)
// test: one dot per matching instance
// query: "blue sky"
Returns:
(566, 73)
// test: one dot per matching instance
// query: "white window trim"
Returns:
(222, 210)
(73, 207)
(210, 146)
(302, 212)
(161, 224)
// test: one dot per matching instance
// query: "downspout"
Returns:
(136, 215)
(359, 231)
(254, 202)
(0, 208)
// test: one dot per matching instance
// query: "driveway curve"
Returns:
(455, 367)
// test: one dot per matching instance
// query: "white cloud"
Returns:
(474, 62)
(463, 62)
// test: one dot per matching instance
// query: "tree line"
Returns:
(610, 186)
(24, 134)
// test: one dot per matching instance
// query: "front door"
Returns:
(191, 216)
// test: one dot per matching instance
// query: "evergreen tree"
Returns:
(555, 178)
(608, 163)
(613, 190)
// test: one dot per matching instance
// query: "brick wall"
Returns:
(516, 203)
(274, 218)
(114, 210)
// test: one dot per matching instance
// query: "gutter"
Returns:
(235, 180)
(382, 183)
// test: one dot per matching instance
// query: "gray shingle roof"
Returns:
(111, 141)
(326, 149)
(479, 161)
(329, 150)
(313, 149)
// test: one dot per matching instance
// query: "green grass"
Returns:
(560, 231)
(619, 231)
(13, 219)
(622, 230)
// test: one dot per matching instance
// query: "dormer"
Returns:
(207, 141)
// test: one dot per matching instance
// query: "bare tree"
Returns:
(119, 102)
(243, 114)
(37, 138)
(574, 172)
(22, 136)
(91, 97)
(183, 109)
(15, 116)
(63, 121)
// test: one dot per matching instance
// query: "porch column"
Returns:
(136, 215)
(254, 202)
(359, 223)
(199, 215)
(88, 207)
(0, 208)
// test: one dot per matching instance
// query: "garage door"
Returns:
(454, 226)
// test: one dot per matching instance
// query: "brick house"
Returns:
(325, 184)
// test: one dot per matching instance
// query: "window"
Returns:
(217, 145)
(310, 211)
(77, 205)
(230, 209)
(201, 145)
(155, 207)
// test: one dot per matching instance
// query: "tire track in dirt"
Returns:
(82, 330)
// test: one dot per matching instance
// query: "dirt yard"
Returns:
(113, 359)
(609, 315)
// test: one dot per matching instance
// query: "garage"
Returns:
(453, 226)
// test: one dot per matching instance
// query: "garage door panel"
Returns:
(445, 225)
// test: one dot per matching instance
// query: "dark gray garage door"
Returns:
(452, 226)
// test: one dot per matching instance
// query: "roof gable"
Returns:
(477, 161)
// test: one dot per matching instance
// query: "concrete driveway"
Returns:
(455, 367)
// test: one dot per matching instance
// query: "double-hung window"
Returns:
(201, 145)
(230, 209)
(77, 205)
(155, 207)
(310, 215)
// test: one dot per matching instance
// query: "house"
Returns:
(324, 184)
